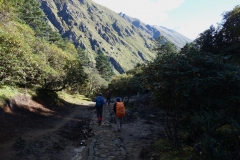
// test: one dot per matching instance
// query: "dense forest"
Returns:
(197, 87)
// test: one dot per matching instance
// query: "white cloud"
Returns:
(148, 11)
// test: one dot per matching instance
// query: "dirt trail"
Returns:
(71, 117)
(76, 136)
(11, 149)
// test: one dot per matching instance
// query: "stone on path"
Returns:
(105, 144)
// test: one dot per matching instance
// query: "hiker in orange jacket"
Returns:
(119, 111)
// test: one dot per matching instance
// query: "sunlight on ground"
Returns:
(34, 107)
(8, 92)
(24, 102)
(75, 98)
(10, 96)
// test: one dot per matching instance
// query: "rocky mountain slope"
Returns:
(94, 27)
(156, 31)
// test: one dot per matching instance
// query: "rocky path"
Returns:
(106, 144)
(109, 144)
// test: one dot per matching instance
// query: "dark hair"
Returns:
(100, 94)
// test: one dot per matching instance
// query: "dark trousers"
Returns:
(99, 113)
(108, 101)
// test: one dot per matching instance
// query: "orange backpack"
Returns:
(120, 109)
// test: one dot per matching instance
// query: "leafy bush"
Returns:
(127, 84)
(29, 61)
(200, 94)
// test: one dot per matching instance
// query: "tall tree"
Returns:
(103, 66)
(30, 12)
(225, 38)
(206, 40)
(83, 57)
(230, 31)
(162, 45)
(231, 25)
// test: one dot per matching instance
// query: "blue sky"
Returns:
(188, 17)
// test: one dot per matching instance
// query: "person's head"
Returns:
(100, 94)
(118, 99)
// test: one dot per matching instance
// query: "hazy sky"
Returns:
(188, 17)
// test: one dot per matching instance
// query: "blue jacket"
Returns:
(101, 99)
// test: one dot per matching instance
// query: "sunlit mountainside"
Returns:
(125, 40)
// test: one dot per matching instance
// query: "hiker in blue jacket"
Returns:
(99, 107)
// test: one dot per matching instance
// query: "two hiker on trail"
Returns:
(119, 111)
(99, 107)
(108, 97)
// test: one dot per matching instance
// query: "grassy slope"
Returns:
(105, 16)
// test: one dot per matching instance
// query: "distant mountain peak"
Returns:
(156, 31)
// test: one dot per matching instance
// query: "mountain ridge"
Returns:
(94, 27)
(156, 31)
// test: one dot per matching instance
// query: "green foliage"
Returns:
(202, 85)
(179, 76)
(29, 11)
(73, 77)
(206, 40)
(30, 61)
(189, 48)
(220, 136)
(95, 83)
(127, 84)
(161, 149)
(73, 97)
(7, 92)
(83, 57)
(103, 66)
(163, 46)
(18, 66)
(6, 11)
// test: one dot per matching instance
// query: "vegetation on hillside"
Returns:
(33, 55)
(29, 58)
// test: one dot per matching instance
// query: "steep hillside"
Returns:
(156, 31)
(94, 27)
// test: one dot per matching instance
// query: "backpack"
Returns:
(120, 109)
(99, 102)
